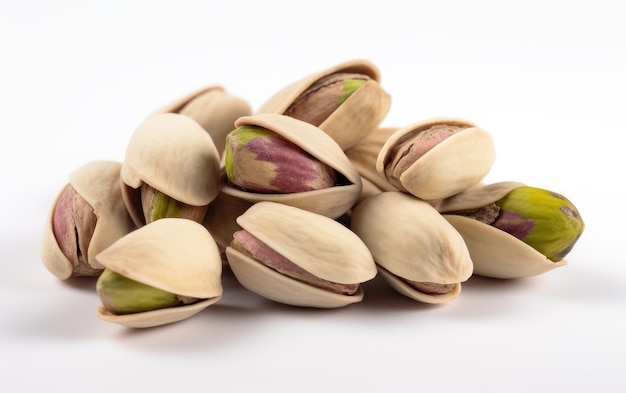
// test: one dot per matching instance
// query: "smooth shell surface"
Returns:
(316, 243)
(98, 183)
(477, 196)
(359, 115)
(497, 254)
(213, 109)
(410, 239)
(331, 202)
(452, 166)
(176, 156)
(172, 254)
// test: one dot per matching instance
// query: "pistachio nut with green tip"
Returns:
(346, 101)
(171, 169)
(272, 157)
(214, 109)
(87, 216)
(416, 250)
(513, 230)
(296, 257)
(436, 158)
(163, 272)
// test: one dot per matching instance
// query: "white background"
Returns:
(545, 78)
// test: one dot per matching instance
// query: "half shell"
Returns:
(213, 109)
(173, 154)
(98, 183)
(410, 240)
(316, 243)
(332, 201)
(494, 252)
(453, 165)
(359, 115)
(172, 254)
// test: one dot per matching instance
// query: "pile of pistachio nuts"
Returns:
(304, 200)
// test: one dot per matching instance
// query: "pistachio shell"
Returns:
(452, 166)
(331, 202)
(213, 109)
(412, 241)
(318, 244)
(364, 154)
(494, 252)
(359, 115)
(98, 183)
(497, 254)
(172, 254)
(173, 154)
(405, 289)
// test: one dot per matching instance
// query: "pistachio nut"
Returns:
(436, 158)
(163, 272)
(213, 109)
(87, 216)
(346, 101)
(416, 250)
(274, 153)
(221, 218)
(171, 169)
(296, 257)
(513, 230)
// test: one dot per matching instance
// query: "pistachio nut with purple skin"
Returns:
(260, 160)
(323, 97)
(297, 257)
(87, 216)
(277, 158)
(346, 101)
(436, 158)
(513, 230)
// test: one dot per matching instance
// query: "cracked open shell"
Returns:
(173, 154)
(461, 158)
(176, 255)
(320, 246)
(97, 182)
(214, 109)
(417, 251)
(495, 253)
(357, 116)
(330, 201)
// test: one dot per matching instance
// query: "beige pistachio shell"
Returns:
(173, 154)
(176, 255)
(98, 183)
(411, 240)
(494, 252)
(331, 202)
(365, 153)
(214, 109)
(497, 254)
(316, 243)
(452, 166)
(359, 115)
(272, 285)
(403, 288)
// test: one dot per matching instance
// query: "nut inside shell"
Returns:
(457, 155)
(331, 201)
(175, 255)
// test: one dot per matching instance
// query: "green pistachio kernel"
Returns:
(544, 220)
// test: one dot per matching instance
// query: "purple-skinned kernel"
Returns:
(260, 160)
(514, 224)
